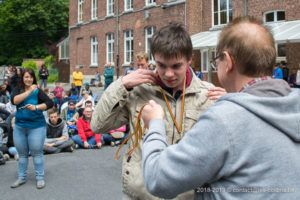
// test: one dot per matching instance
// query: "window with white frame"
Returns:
(150, 2)
(94, 9)
(110, 47)
(110, 7)
(221, 12)
(80, 10)
(94, 50)
(128, 5)
(274, 16)
(128, 46)
(149, 31)
(64, 50)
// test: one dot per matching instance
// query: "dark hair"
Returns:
(52, 111)
(31, 73)
(67, 92)
(172, 41)
(250, 45)
(88, 101)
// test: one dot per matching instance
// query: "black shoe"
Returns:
(69, 149)
(2, 159)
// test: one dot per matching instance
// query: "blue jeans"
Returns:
(30, 140)
(91, 141)
(43, 82)
(107, 139)
(12, 151)
(106, 85)
(78, 88)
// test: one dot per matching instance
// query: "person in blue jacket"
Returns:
(30, 126)
(277, 72)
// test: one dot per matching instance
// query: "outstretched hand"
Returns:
(138, 77)
(215, 93)
(152, 111)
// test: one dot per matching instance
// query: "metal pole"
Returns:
(117, 39)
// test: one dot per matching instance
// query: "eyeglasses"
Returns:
(216, 59)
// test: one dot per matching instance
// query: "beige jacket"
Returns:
(118, 106)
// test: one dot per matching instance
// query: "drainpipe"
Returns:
(117, 38)
(245, 8)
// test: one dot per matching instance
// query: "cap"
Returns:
(86, 83)
(71, 102)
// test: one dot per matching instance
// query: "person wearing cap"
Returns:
(68, 113)
(85, 97)
(77, 80)
(130, 69)
(87, 88)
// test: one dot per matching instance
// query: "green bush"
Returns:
(53, 77)
(48, 61)
(30, 64)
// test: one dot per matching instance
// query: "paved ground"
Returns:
(83, 174)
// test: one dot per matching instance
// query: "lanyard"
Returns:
(179, 129)
(139, 131)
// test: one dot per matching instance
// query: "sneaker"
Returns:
(112, 144)
(6, 157)
(69, 149)
(16, 157)
(18, 183)
(2, 160)
(40, 184)
(76, 146)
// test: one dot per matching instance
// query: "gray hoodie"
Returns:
(56, 131)
(246, 146)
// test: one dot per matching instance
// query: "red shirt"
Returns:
(58, 91)
(85, 131)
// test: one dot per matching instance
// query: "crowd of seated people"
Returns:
(68, 122)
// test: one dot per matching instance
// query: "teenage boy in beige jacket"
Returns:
(171, 48)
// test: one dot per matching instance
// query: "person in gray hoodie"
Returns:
(57, 138)
(245, 146)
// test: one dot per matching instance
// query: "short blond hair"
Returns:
(142, 55)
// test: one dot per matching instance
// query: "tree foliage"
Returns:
(29, 27)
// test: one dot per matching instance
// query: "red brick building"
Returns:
(116, 30)
(283, 17)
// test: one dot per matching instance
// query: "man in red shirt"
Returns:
(86, 138)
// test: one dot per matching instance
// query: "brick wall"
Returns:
(80, 36)
(293, 55)
(254, 8)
